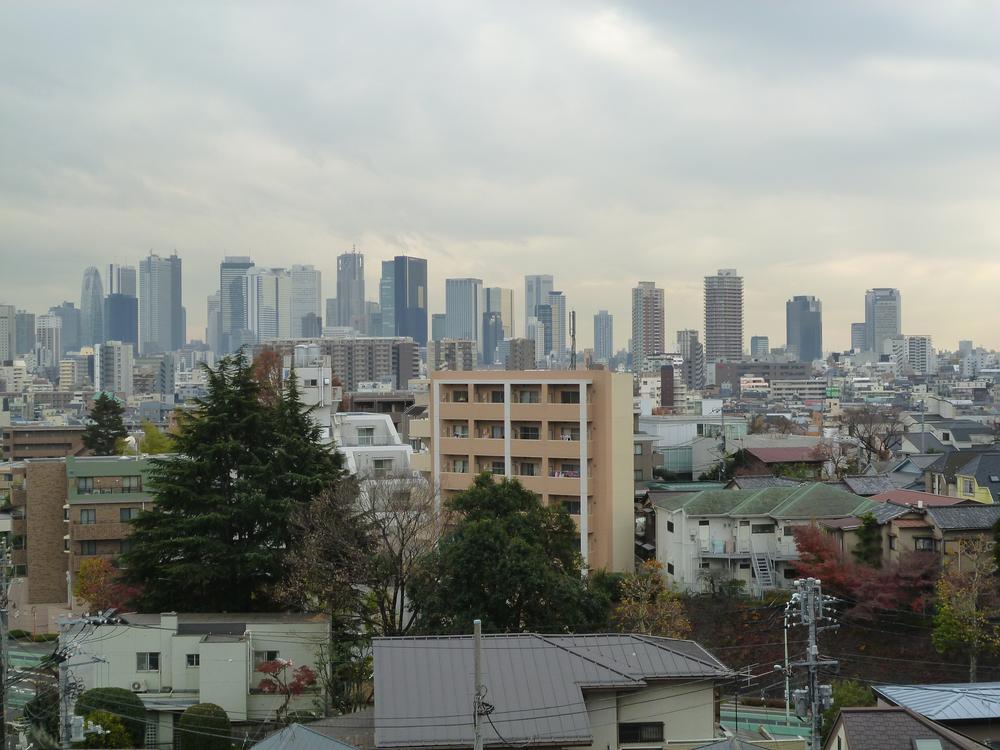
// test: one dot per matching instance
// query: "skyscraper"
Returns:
(536, 292)
(307, 283)
(161, 313)
(804, 328)
(883, 317)
(535, 331)
(351, 291)
(760, 346)
(387, 299)
(463, 309)
(693, 352)
(213, 327)
(269, 298)
(858, 335)
(121, 319)
(604, 336)
(48, 340)
(233, 301)
(647, 323)
(724, 316)
(439, 329)
(332, 312)
(543, 328)
(24, 332)
(121, 280)
(492, 336)
(500, 300)
(557, 303)
(8, 332)
(91, 308)
(72, 326)
(113, 368)
(409, 308)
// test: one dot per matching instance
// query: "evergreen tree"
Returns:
(509, 561)
(218, 536)
(868, 550)
(105, 427)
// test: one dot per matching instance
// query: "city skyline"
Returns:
(853, 176)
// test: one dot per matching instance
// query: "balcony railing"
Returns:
(109, 490)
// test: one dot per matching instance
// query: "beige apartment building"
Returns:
(565, 435)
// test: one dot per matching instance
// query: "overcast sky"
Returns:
(818, 147)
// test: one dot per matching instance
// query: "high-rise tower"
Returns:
(647, 323)
(724, 316)
(804, 328)
(351, 291)
(91, 308)
(883, 317)
(604, 336)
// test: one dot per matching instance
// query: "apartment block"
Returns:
(451, 354)
(724, 316)
(363, 359)
(565, 435)
(41, 441)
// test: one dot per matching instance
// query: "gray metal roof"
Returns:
(885, 512)
(731, 743)
(300, 737)
(958, 517)
(424, 693)
(960, 701)
(870, 485)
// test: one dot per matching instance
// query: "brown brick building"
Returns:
(41, 441)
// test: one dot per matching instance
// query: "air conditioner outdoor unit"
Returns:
(139, 686)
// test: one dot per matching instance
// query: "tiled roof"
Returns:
(895, 728)
(869, 485)
(914, 497)
(793, 454)
(971, 517)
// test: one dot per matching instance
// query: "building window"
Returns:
(125, 546)
(789, 573)
(496, 397)
(194, 660)
(127, 514)
(670, 568)
(498, 467)
(670, 526)
(88, 548)
(381, 467)
(147, 661)
(762, 528)
(924, 544)
(637, 475)
(789, 531)
(84, 485)
(892, 542)
(706, 565)
(529, 432)
(18, 541)
(132, 484)
(637, 449)
(460, 466)
(705, 522)
(366, 436)
(88, 515)
(569, 397)
(572, 507)
(260, 657)
(744, 566)
(967, 487)
(527, 469)
(640, 731)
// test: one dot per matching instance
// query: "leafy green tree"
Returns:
(968, 610)
(112, 734)
(508, 561)
(204, 726)
(218, 536)
(647, 606)
(121, 703)
(846, 694)
(105, 426)
(868, 550)
(154, 441)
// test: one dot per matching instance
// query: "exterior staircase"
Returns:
(762, 570)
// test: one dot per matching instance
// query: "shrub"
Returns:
(18, 635)
(113, 733)
(120, 702)
(45, 637)
(203, 727)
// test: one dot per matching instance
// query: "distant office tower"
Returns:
(693, 352)
(557, 303)
(365, 359)
(121, 280)
(24, 333)
(804, 328)
(269, 303)
(965, 347)
(121, 319)
(535, 331)
(48, 340)
(91, 308)
(536, 292)
(351, 291)
(387, 299)
(307, 284)
(544, 322)
(604, 336)
(8, 333)
(492, 336)
(520, 354)
(233, 301)
(500, 300)
(373, 317)
(920, 354)
(213, 326)
(463, 309)
(858, 335)
(113, 362)
(312, 326)
(760, 346)
(883, 317)
(72, 326)
(451, 354)
(724, 316)
(439, 329)
(647, 323)
(409, 277)
(161, 313)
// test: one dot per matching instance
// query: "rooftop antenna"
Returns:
(572, 339)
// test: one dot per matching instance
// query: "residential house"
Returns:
(744, 535)
(944, 435)
(581, 691)
(371, 447)
(893, 728)
(173, 661)
(802, 461)
(972, 709)
(979, 479)
(941, 476)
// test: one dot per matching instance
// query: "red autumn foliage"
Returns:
(277, 681)
(895, 588)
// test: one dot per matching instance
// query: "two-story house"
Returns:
(371, 446)
(743, 535)
(979, 479)
(174, 661)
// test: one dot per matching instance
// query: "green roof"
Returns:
(684, 486)
(815, 500)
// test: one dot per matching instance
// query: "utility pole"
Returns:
(815, 698)
(788, 676)
(477, 701)
(65, 698)
(4, 644)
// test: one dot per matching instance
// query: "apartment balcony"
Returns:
(97, 531)
(566, 448)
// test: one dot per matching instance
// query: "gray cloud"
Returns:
(819, 148)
